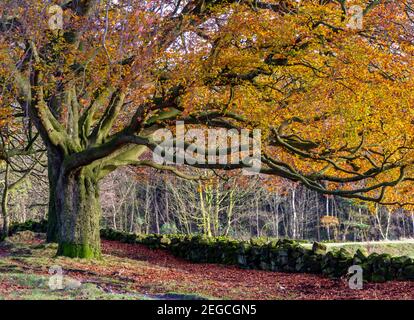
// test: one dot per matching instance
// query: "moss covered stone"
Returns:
(408, 272)
(319, 248)
(378, 278)
(164, 241)
(360, 256)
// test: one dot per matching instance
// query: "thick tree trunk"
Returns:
(74, 208)
(78, 213)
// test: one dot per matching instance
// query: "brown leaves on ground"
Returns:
(132, 268)
(232, 282)
(8, 287)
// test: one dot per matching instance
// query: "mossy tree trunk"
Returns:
(74, 206)
(78, 213)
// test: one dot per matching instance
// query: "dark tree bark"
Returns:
(54, 164)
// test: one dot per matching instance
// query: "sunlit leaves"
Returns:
(342, 93)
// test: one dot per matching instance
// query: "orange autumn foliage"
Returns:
(334, 103)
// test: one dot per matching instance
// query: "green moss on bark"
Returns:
(79, 214)
(83, 251)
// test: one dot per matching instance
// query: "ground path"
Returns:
(135, 271)
(227, 281)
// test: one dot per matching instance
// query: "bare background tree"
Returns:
(243, 207)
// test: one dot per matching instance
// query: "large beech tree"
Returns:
(334, 101)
